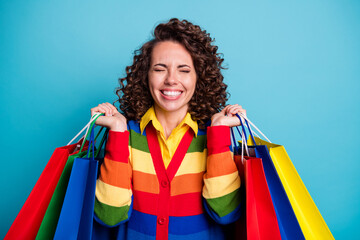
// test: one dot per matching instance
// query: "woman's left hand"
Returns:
(227, 116)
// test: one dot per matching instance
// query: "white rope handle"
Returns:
(86, 127)
(255, 134)
(243, 143)
(93, 118)
(255, 128)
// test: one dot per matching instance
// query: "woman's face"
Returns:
(172, 77)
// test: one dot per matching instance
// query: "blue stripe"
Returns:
(101, 232)
(132, 234)
(188, 224)
(135, 126)
(195, 236)
(201, 132)
(215, 233)
(143, 223)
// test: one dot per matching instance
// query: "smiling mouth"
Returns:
(171, 93)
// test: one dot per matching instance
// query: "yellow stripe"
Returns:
(193, 163)
(220, 186)
(112, 196)
(143, 162)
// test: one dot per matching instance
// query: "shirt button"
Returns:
(164, 183)
(161, 221)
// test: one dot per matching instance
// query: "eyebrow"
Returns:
(164, 65)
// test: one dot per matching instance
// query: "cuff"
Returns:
(218, 139)
(117, 146)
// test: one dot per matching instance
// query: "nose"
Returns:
(171, 78)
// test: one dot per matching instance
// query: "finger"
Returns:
(96, 110)
(223, 111)
(240, 111)
(230, 110)
(112, 107)
(237, 109)
(108, 110)
(226, 109)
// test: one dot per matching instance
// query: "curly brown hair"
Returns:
(210, 94)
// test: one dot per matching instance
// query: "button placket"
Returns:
(164, 183)
(161, 221)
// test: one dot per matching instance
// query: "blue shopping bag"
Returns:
(287, 221)
(77, 212)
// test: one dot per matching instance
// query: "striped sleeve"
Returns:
(113, 194)
(221, 189)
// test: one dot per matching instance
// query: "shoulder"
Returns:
(134, 126)
(203, 131)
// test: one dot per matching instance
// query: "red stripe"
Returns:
(145, 202)
(186, 205)
(179, 206)
(218, 138)
(117, 146)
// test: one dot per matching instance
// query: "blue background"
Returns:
(294, 65)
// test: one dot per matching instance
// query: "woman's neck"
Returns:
(169, 120)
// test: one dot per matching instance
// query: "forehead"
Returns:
(170, 52)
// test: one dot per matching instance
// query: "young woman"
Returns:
(168, 171)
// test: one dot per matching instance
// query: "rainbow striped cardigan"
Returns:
(191, 199)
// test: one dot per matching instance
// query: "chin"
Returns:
(167, 108)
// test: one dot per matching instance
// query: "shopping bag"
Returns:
(288, 224)
(51, 217)
(311, 222)
(261, 221)
(76, 217)
(27, 222)
(50, 220)
(309, 218)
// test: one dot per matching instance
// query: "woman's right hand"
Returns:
(113, 120)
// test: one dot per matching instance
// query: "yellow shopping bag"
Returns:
(311, 222)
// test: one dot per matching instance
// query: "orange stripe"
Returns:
(115, 173)
(187, 183)
(219, 164)
(145, 182)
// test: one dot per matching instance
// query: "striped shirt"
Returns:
(190, 199)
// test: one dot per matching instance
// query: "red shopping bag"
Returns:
(27, 222)
(259, 219)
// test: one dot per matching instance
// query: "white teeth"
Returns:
(171, 93)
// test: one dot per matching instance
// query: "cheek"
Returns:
(192, 83)
(151, 81)
(154, 81)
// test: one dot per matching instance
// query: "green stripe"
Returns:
(138, 141)
(225, 204)
(110, 215)
(197, 144)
